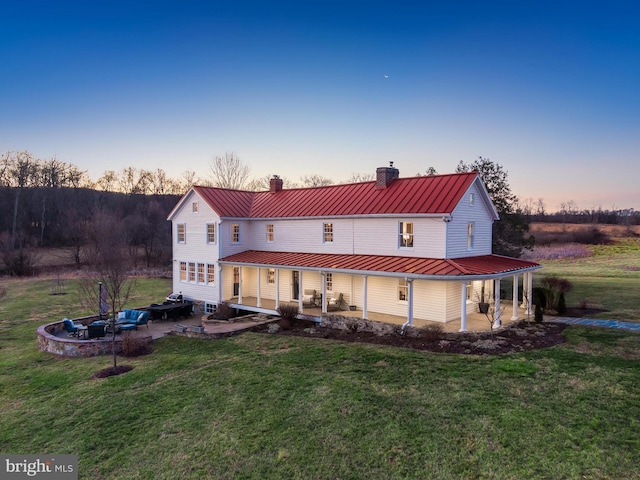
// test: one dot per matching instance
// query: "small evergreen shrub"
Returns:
(431, 332)
(538, 316)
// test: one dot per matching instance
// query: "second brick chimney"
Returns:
(275, 184)
(386, 175)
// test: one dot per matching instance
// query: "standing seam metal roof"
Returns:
(414, 195)
(480, 265)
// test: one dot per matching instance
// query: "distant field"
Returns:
(605, 277)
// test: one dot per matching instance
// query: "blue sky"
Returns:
(550, 90)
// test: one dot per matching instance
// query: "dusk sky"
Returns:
(549, 90)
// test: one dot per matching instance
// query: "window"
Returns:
(182, 233)
(183, 271)
(211, 233)
(201, 273)
(211, 273)
(327, 233)
(194, 207)
(235, 233)
(271, 275)
(471, 199)
(470, 235)
(210, 308)
(270, 233)
(192, 272)
(405, 232)
(403, 290)
(469, 290)
(329, 282)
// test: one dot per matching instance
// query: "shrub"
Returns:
(562, 304)
(431, 332)
(223, 312)
(288, 315)
(593, 236)
(538, 316)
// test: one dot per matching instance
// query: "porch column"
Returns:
(498, 321)
(323, 279)
(219, 280)
(258, 301)
(515, 298)
(525, 293)
(240, 285)
(410, 306)
(364, 296)
(530, 293)
(463, 307)
(277, 288)
(300, 290)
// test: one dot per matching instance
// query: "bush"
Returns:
(593, 236)
(288, 315)
(562, 304)
(538, 316)
(431, 332)
(223, 312)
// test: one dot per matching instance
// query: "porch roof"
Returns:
(385, 265)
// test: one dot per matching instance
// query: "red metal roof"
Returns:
(481, 265)
(414, 195)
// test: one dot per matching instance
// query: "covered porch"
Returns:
(405, 290)
(475, 321)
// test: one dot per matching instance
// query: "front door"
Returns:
(295, 285)
(236, 281)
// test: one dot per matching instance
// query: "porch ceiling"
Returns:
(387, 265)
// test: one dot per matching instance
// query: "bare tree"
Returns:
(315, 180)
(360, 177)
(228, 171)
(108, 263)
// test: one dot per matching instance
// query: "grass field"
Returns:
(260, 406)
(608, 279)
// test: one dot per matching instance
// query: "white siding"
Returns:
(465, 213)
(195, 249)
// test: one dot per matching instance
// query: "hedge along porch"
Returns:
(431, 290)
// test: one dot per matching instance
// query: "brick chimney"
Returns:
(386, 175)
(275, 184)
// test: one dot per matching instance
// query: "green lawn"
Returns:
(261, 406)
(609, 279)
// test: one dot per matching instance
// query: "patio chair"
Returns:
(71, 327)
(309, 297)
(335, 301)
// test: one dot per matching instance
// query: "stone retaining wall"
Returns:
(361, 325)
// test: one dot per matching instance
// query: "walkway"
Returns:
(589, 322)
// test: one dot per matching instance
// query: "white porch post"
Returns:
(324, 292)
(258, 304)
(515, 298)
(525, 293)
(219, 279)
(530, 292)
(496, 294)
(364, 296)
(463, 307)
(300, 291)
(410, 306)
(277, 288)
(240, 285)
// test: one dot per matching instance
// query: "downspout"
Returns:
(410, 306)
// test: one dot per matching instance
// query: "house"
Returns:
(417, 247)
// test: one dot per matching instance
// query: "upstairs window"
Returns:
(235, 233)
(270, 233)
(271, 275)
(471, 199)
(405, 232)
(194, 207)
(470, 235)
(327, 233)
(182, 233)
(211, 233)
